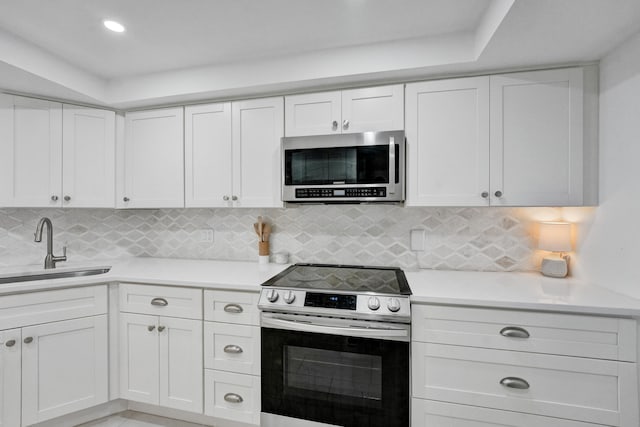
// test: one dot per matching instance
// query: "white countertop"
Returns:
(530, 291)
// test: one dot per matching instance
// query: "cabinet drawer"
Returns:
(232, 307)
(233, 348)
(161, 300)
(50, 306)
(428, 413)
(232, 396)
(589, 390)
(551, 333)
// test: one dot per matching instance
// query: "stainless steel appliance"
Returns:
(344, 168)
(335, 347)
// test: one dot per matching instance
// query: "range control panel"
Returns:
(308, 193)
(337, 304)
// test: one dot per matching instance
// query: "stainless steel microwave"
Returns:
(345, 168)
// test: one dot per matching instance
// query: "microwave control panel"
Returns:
(308, 193)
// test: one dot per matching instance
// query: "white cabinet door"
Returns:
(88, 151)
(64, 367)
(30, 152)
(448, 142)
(536, 138)
(154, 159)
(181, 370)
(139, 358)
(373, 109)
(257, 129)
(208, 155)
(313, 114)
(10, 355)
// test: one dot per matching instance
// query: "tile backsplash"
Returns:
(483, 239)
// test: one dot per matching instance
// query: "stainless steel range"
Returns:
(335, 347)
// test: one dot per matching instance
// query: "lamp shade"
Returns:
(555, 236)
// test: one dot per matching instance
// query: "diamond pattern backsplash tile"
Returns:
(482, 239)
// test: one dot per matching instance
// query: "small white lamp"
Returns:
(555, 237)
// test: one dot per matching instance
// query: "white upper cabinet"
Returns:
(153, 159)
(30, 152)
(448, 142)
(257, 130)
(349, 111)
(313, 114)
(53, 155)
(536, 138)
(88, 157)
(208, 155)
(503, 140)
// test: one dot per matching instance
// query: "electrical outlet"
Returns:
(206, 235)
(417, 239)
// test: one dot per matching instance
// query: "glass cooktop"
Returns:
(382, 280)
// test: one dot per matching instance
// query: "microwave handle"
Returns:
(392, 165)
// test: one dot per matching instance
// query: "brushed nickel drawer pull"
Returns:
(514, 332)
(161, 302)
(10, 343)
(515, 382)
(232, 348)
(28, 340)
(150, 328)
(233, 398)
(233, 308)
(161, 328)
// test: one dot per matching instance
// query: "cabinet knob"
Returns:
(334, 125)
(161, 328)
(10, 343)
(233, 398)
(498, 193)
(485, 194)
(150, 328)
(345, 124)
(225, 198)
(28, 340)
(234, 198)
(54, 198)
(67, 198)
(125, 199)
(515, 382)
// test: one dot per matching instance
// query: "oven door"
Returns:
(338, 380)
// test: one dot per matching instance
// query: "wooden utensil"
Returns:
(266, 231)
(255, 227)
(260, 225)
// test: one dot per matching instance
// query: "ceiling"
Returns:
(190, 50)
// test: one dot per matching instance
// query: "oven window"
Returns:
(333, 372)
(348, 165)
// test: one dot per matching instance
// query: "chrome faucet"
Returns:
(50, 260)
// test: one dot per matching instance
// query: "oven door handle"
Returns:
(270, 322)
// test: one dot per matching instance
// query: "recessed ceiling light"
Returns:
(114, 26)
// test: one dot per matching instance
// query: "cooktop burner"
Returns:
(380, 280)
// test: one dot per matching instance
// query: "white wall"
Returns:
(610, 244)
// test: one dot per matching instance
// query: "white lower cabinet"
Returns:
(486, 367)
(161, 361)
(64, 367)
(232, 396)
(10, 382)
(52, 362)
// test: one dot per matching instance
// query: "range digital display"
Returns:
(338, 301)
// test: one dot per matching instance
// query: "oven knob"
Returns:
(272, 295)
(373, 303)
(393, 305)
(288, 297)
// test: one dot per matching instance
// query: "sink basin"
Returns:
(28, 277)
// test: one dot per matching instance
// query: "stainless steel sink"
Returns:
(28, 277)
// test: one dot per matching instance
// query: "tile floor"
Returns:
(137, 419)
